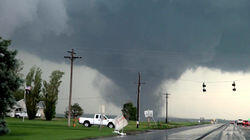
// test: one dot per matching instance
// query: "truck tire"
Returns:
(111, 125)
(17, 116)
(86, 124)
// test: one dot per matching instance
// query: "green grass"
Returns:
(58, 130)
(50, 130)
(156, 125)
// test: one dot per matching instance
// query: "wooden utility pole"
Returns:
(72, 57)
(138, 99)
(166, 106)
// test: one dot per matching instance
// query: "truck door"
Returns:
(97, 119)
(104, 120)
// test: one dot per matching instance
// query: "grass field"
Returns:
(58, 130)
(156, 125)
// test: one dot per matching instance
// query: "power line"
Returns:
(82, 98)
(149, 51)
(224, 81)
(72, 57)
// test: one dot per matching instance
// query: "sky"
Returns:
(176, 45)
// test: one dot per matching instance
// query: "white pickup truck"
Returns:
(97, 120)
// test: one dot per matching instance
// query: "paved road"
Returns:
(203, 132)
(228, 132)
(246, 132)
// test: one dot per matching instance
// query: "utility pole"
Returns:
(166, 106)
(138, 99)
(72, 57)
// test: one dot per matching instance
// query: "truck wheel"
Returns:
(111, 125)
(17, 116)
(86, 124)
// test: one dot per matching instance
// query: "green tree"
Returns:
(76, 111)
(9, 81)
(34, 80)
(50, 94)
(129, 111)
(19, 68)
(18, 94)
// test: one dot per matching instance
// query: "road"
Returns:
(202, 132)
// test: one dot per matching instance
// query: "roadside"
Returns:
(145, 127)
(58, 130)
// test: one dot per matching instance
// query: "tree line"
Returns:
(42, 90)
(11, 80)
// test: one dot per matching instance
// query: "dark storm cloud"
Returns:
(160, 38)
